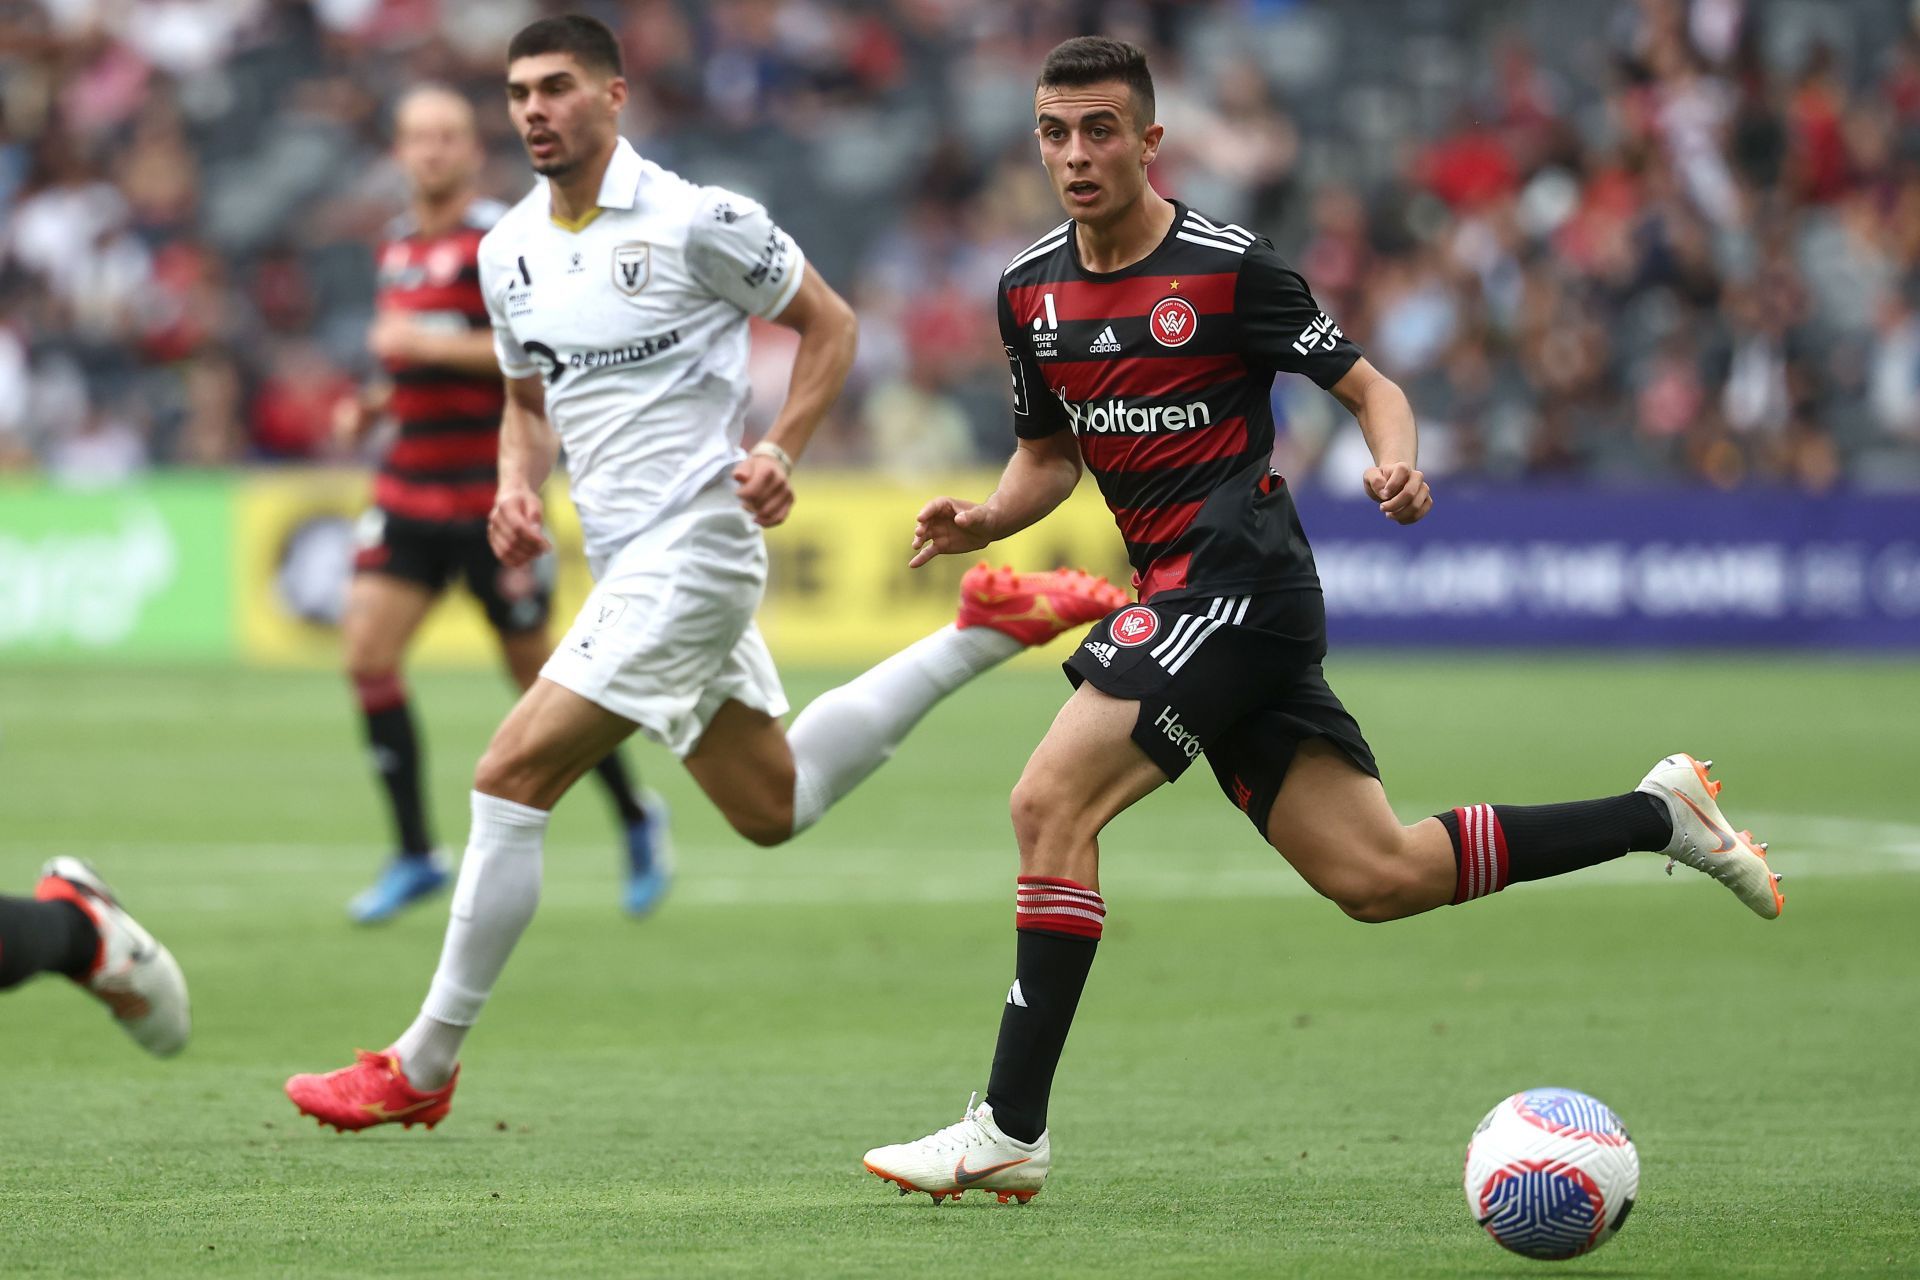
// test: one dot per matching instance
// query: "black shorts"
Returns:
(433, 554)
(1235, 677)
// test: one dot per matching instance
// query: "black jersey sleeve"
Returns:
(1281, 326)
(1035, 412)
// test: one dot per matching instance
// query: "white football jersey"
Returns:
(636, 320)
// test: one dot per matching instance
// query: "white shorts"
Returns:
(667, 634)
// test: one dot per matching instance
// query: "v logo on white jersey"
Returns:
(1014, 995)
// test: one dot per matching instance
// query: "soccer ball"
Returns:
(1551, 1173)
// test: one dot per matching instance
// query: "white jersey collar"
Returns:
(620, 185)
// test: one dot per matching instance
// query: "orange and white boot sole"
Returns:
(908, 1188)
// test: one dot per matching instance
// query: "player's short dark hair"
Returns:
(586, 40)
(1097, 59)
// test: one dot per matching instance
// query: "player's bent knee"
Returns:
(1028, 810)
(496, 775)
(1365, 888)
(764, 830)
(511, 772)
(1370, 908)
(765, 818)
(1041, 810)
(1388, 894)
(1053, 826)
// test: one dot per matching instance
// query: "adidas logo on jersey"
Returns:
(1106, 343)
(1106, 653)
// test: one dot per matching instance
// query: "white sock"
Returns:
(848, 732)
(493, 900)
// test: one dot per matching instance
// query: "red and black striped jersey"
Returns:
(1164, 373)
(443, 464)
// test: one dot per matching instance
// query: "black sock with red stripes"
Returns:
(1497, 844)
(44, 937)
(395, 748)
(1058, 923)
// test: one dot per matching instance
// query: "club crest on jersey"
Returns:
(444, 263)
(1173, 321)
(1134, 627)
(632, 266)
(603, 613)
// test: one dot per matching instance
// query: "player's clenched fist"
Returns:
(516, 527)
(764, 489)
(948, 526)
(1400, 490)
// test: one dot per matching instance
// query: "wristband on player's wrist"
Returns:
(768, 449)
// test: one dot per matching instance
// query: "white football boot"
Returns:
(972, 1155)
(1703, 838)
(134, 976)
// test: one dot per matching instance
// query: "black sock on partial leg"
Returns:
(395, 748)
(613, 775)
(1059, 924)
(1497, 844)
(44, 937)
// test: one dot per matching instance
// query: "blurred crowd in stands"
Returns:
(1642, 241)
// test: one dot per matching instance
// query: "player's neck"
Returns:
(574, 195)
(437, 216)
(1129, 237)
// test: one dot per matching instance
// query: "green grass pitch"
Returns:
(1257, 1086)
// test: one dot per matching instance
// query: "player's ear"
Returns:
(617, 92)
(1150, 142)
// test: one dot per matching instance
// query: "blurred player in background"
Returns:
(1144, 339)
(73, 926)
(620, 296)
(428, 525)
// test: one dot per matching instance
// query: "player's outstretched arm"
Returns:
(1038, 478)
(828, 332)
(1386, 420)
(516, 529)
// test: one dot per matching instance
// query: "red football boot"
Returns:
(1033, 608)
(374, 1090)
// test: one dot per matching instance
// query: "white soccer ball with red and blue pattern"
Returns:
(1551, 1173)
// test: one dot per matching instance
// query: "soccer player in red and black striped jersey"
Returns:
(434, 490)
(1143, 338)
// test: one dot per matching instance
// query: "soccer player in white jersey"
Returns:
(440, 386)
(620, 296)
